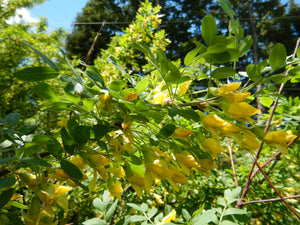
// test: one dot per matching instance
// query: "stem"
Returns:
(270, 200)
(277, 192)
(249, 178)
(232, 163)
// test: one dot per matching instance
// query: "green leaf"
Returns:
(46, 91)
(100, 205)
(71, 169)
(167, 130)
(135, 206)
(227, 7)
(189, 114)
(36, 74)
(6, 160)
(277, 56)
(223, 72)
(234, 211)
(7, 181)
(205, 218)
(117, 85)
(36, 162)
(174, 73)
(44, 57)
(227, 222)
(137, 218)
(12, 119)
(253, 72)
(94, 221)
(221, 202)
(190, 56)
(152, 212)
(5, 196)
(88, 104)
(266, 101)
(111, 210)
(245, 45)
(209, 29)
(142, 85)
(67, 140)
(186, 215)
(18, 205)
(55, 149)
(236, 29)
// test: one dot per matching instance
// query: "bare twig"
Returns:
(277, 192)
(248, 182)
(232, 163)
(270, 200)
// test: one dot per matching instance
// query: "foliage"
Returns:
(153, 144)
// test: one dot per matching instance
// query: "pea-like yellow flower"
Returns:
(131, 96)
(137, 182)
(161, 98)
(118, 172)
(279, 139)
(168, 219)
(249, 141)
(229, 88)
(213, 124)
(182, 133)
(231, 130)
(105, 104)
(182, 88)
(205, 166)
(186, 161)
(115, 188)
(242, 111)
(213, 147)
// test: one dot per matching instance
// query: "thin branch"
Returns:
(277, 192)
(248, 182)
(270, 200)
(232, 163)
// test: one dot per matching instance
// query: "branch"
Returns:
(232, 163)
(270, 200)
(248, 182)
(277, 192)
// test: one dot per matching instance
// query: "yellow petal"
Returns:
(242, 111)
(225, 89)
(115, 188)
(131, 96)
(213, 121)
(182, 133)
(167, 219)
(182, 88)
(213, 147)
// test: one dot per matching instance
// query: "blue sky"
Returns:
(61, 13)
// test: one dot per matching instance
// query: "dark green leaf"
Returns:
(223, 72)
(7, 181)
(245, 45)
(36, 74)
(44, 57)
(167, 130)
(189, 114)
(253, 72)
(227, 7)
(209, 29)
(190, 56)
(55, 149)
(12, 119)
(67, 140)
(174, 73)
(5, 196)
(26, 129)
(71, 169)
(36, 162)
(278, 56)
(46, 91)
(6, 160)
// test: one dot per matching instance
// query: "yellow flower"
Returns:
(205, 166)
(249, 140)
(137, 182)
(182, 88)
(182, 133)
(131, 96)
(231, 130)
(63, 123)
(242, 111)
(229, 88)
(186, 161)
(105, 104)
(158, 199)
(115, 188)
(168, 219)
(279, 139)
(213, 124)
(60, 190)
(213, 147)
(161, 98)
(118, 172)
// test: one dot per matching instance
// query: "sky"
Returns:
(60, 13)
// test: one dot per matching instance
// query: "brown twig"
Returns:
(248, 182)
(270, 200)
(232, 163)
(277, 192)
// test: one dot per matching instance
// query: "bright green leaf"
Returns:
(266, 101)
(223, 72)
(278, 56)
(46, 91)
(209, 29)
